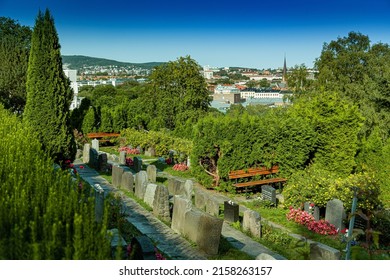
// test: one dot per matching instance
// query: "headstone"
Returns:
(335, 213)
(79, 153)
(151, 170)
(161, 203)
(360, 223)
(175, 185)
(102, 162)
(150, 152)
(141, 180)
(117, 172)
(122, 157)
(127, 181)
(95, 145)
(86, 152)
(269, 193)
(181, 206)
(93, 158)
(200, 199)
(319, 251)
(231, 211)
(188, 162)
(212, 206)
(137, 164)
(204, 230)
(252, 223)
(313, 210)
(149, 194)
(187, 189)
(99, 202)
(264, 256)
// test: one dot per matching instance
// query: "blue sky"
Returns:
(252, 33)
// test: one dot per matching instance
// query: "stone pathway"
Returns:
(165, 239)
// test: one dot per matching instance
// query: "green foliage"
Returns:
(178, 93)
(230, 142)
(89, 121)
(161, 141)
(14, 53)
(48, 91)
(42, 213)
(319, 186)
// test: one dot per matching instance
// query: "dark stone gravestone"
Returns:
(93, 158)
(231, 211)
(269, 193)
(313, 210)
(137, 164)
(360, 223)
(102, 162)
(335, 213)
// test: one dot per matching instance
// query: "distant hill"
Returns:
(78, 61)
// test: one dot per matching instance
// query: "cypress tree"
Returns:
(48, 91)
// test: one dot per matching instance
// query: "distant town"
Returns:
(227, 85)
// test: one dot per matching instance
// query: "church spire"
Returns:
(284, 78)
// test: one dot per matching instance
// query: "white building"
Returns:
(72, 76)
(254, 93)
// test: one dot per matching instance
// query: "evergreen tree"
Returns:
(48, 91)
(14, 51)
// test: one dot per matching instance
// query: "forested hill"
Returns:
(79, 61)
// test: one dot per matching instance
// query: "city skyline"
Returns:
(251, 34)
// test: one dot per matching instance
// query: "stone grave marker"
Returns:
(141, 180)
(127, 181)
(151, 170)
(175, 186)
(335, 213)
(150, 152)
(231, 211)
(180, 207)
(117, 172)
(252, 223)
(212, 206)
(122, 157)
(102, 162)
(150, 192)
(269, 193)
(86, 152)
(187, 189)
(313, 210)
(137, 164)
(99, 202)
(161, 203)
(95, 145)
(93, 158)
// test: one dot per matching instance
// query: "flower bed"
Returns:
(180, 167)
(302, 217)
(129, 151)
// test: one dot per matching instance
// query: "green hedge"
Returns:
(42, 215)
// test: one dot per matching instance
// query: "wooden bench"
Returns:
(252, 172)
(101, 135)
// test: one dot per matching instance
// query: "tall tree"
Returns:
(48, 91)
(178, 93)
(14, 51)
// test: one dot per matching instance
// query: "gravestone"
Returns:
(252, 223)
(99, 202)
(79, 153)
(151, 170)
(161, 203)
(102, 162)
(319, 251)
(137, 164)
(86, 152)
(150, 152)
(150, 192)
(360, 223)
(269, 193)
(141, 180)
(117, 172)
(231, 211)
(212, 206)
(95, 145)
(93, 158)
(180, 207)
(200, 199)
(188, 162)
(204, 230)
(187, 189)
(127, 181)
(122, 157)
(175, 185)
(313, 210)
(335, 213)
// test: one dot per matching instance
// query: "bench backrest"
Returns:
(235, 174)
(102, 134)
